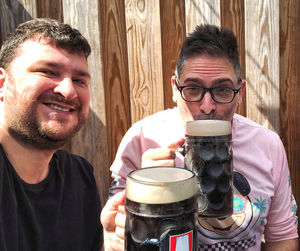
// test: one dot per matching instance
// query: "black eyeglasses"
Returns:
(193, 93)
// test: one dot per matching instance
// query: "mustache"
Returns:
(211, 116)
(56, 97)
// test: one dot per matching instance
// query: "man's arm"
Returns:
(287, 245)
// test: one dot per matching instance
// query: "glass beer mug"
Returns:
(208, 153)
(161, 209)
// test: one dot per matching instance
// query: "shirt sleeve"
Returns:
(128, 158)
(282, 220)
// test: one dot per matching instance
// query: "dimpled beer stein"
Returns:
(208, 153)
(161, 209)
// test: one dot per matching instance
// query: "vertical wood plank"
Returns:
(173, 34)
(14, 12)
(51, 9)
(290, 86)
(91, 141)
(202, 12)
(262, 57)
(232, 17)
(145, 59)
(115, 73)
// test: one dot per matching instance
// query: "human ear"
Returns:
(174, 90)
(241, 92)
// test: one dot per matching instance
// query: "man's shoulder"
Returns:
(243, 125)
(243, 121)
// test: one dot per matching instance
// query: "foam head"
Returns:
(160, 185)
(208, 128)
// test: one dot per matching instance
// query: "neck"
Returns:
(31, 164)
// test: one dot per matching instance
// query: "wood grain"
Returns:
(173, 34)
(50, 8)
(145, 58)
(290, 87)
(14, 12)
(262, 61)
(232, 17)
(202, 12)
(91, 141)
(115, 73)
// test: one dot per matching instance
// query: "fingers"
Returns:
(111, 209)
(151, 163)
(159, 154)
(120, 225)
(120, 220)
(112, 242)
(158, 157)
(121, 208)
(164, 156)
(176, 144)
(120, 232)
(113, 220)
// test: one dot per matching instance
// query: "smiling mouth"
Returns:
(59, 108)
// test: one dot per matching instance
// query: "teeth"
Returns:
(59, 108)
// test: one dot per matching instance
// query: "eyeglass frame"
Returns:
(180, 88)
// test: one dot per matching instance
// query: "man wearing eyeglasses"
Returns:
(208, 85)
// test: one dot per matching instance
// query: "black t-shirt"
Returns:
(61, 213)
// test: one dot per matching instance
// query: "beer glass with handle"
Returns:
(161, 209)
(208, 153)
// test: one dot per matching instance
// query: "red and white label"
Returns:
(181, 242)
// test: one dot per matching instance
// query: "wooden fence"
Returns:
(135, 47)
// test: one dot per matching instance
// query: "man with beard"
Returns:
(48, 197)
(208, 85)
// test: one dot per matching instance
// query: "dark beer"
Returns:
(161, 209)
(208, 150)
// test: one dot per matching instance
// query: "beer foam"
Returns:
(208, 128)
(160, 185)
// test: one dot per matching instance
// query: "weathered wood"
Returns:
(14, 12)
(262, 61)
(201, 12)
(115, 73)
(290, 87)
(145, 59)
(173, 33)
(232, 17)
(50, 8)
(91, 141)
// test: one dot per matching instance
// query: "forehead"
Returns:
(208, 67)
(31, 52)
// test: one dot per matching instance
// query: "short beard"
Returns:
(33, 137)
(23, 125)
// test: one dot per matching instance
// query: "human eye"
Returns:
(222, 91)
(80, 82)
(46, 72)
(193, 90)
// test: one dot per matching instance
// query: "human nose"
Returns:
(66, 88)
(207, 105)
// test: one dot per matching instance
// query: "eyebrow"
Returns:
(217, 81)
(57, 65)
